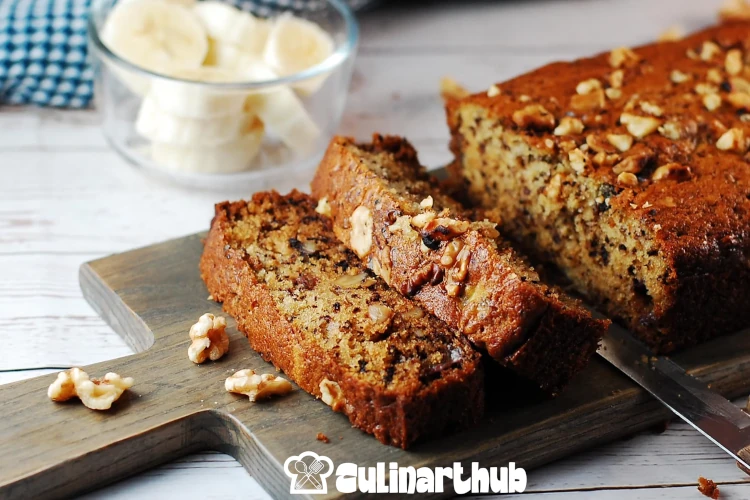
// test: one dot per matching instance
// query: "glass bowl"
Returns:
(201, 158)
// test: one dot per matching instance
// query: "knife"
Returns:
(709, 413)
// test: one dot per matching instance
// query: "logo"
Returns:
(308, 472)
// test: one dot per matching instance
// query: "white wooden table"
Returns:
(66, 198)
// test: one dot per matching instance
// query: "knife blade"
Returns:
(708, 412)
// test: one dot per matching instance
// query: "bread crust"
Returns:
(696, 223)
(501, 305)
(396, 414)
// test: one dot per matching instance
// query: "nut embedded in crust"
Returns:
(96, 394)
(534, 116)
(569, 126)
(257, 387)
(332, 395)
(639, 126)
(732, 140)
(622, 56)
(209, 339)
(361, 234)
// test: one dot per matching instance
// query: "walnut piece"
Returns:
(677, 76)
(332, 395)
(733, 62)
(735, 10)
(672, 34)
(639, 126)
(257, 387)
(732, 140)
(534, 116)
(712, 102)
(613, 93)
(493, 91)
(588, 86)
(568, 126)
(578, 160)
(709, 50)
(627, 179)
(210, 339)
(622, 56)
(739, 100)
(323, 208)
(361, 234)
(672, 171)
(622, 142)
(590, 101)
(651, 109)
(450, 89)
(354, 280)
(97, 394)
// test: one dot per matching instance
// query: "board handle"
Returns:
(52, 450)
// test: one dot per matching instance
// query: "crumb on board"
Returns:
(322, 437)
(708, 488)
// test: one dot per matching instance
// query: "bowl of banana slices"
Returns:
(216, 94)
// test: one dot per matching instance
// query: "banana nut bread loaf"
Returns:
(422, 242)
(308, 305)
(628, 170)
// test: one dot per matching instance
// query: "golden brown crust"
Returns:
(685, 180)
(276, 265)
(454, 267)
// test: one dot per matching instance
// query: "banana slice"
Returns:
(296, 44)
(282, 112)
(225, 158)
(156, 35)
(161, 127)
(233, 26)
(227, 56)
(195, 100)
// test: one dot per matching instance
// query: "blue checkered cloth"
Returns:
(43, 56)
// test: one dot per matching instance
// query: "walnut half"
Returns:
(257, 387)
(97, 394)
(210, 339)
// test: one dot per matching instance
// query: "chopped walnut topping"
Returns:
(451, 251)
(709, 50)
(677, 76)
(427, 202)
(257, 387)
(323, 208)
(450, 89)
(588, 102)
(96, 394)
(672, 34)
(739, 100)
(588, 86)
(493, 91)
(713, 75)
(673, 171)
(445, 228)
(598, 143)
(627, 179)
(712, 102)
(524, 98)
(739, 84)
(605, 160)
(578, 160)
(639, 126)
(458, 274)
(651, 109)
(732, 140)
(534, 116)
(735, 10)
(636, 161)
(361, 232)
(622, 142)
(332, 395)
(209, 339)
(613, 93)
(413, 313)
(421, 220)
(671, 130)
(569, 126)
(733, 62)
(616, 78)
(706, 88)
(622, 56)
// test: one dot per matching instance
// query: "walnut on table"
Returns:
(257, 387)
(210, 339)
(97, 394)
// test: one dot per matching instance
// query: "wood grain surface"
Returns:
(151, 297)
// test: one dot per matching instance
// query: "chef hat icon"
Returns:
(308, 472)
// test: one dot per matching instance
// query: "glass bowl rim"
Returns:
(338, 57)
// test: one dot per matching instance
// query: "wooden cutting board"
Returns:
(151, 296)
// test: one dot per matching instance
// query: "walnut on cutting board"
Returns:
(210, 339)
(97, 394)
(257, 387)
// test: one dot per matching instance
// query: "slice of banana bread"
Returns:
(423, 243)
(307, 304)
(629, 171)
